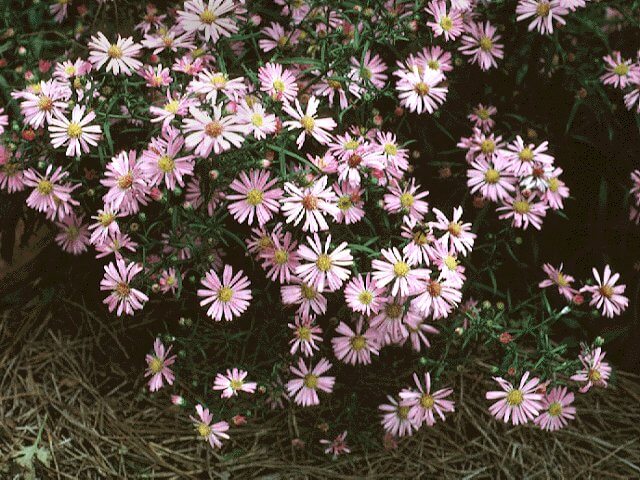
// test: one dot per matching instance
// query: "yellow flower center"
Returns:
(406, 200)
(265, 242)
(394, 310)
(334, 84)
(403, 412)
(309, 202)
(282, 41)
(483, 113)
(204, 430)
(125, 181)
(365, 297)
(358, 342)
(427, 401)
(308, 292)
(351, 145)
(401, 269)
(307, 123)
(486, 44)
(455, 229)
(434, 288)
(621, 69)
(257, 120)
(543, 9)
(236, 384)
(446, 23)
(208, 17)
(170, 280)
(390, 149)
(487, 146)
(310, 381)
(74, 130)
(72, 232)
(45, 103)
(554, 184)
(521, 206)
(114, 51)
(278, 85)
(225, 294)
(606, 291)
(166, 163)
(304, 333)
(324, 263)
(433, 64)
(492, 176)
(45, 187)
(594, 375)
(213, 129)
(561, 280)
(254, 197)
(526, 155)
(156, 365)
(218, 80)
(281, 257)
(515, 397)
(172, 106)
(421, 88)
(106, 219)
(451, 262)
(555, 409)
(122, 290)
(344, 203)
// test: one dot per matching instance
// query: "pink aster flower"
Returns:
(518, 404)
(126, 183)
(619, 71)
(254, 197)
(445, 23)
(594, 371)
(368, 69)
(606, 295)
(74, 235)
(11, 175)
(556, 410)
(493, 180)
(434, 58)
(174, 106)
(544, 12)
(157, 76)
(119, 56)
(311, 203)
(457, 233)
(256, 120)
(213, 18)
(106, 225)
(228, 297)
(390, 321)
(151, 19)
(396, 269)
(213, 433)
(171, 39)
(349, 203)
(480, 43)
(523, 211)
(277, 82)
(59, 10)
(323, 267)
(526, 157)
(77, 134)
(397, 158)
(560, 279)
(420, 249)
(217, 133)
(408, 200)
(307, 297)
(355, 346)
(395, 418)
(158, 366)
(363, 295)
(556, 191)
(311, 379)
(318, 128)
(232, 383)
(4, 120)
(330, 87)
(277, 37)
(161, 161)
(210, 83)
(446, 260)
(168, 281)
(337, 446)
(282, 259)
(114, 244)
(418, 329)
(481, 117)
(305, 336)
(42, 104)
(117, 279)
(632, 99)
(419, 92)
(437, 298)
(48, 190)
(422, 403)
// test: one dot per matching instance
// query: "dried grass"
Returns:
(98, 422)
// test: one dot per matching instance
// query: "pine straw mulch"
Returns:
(96, 421)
